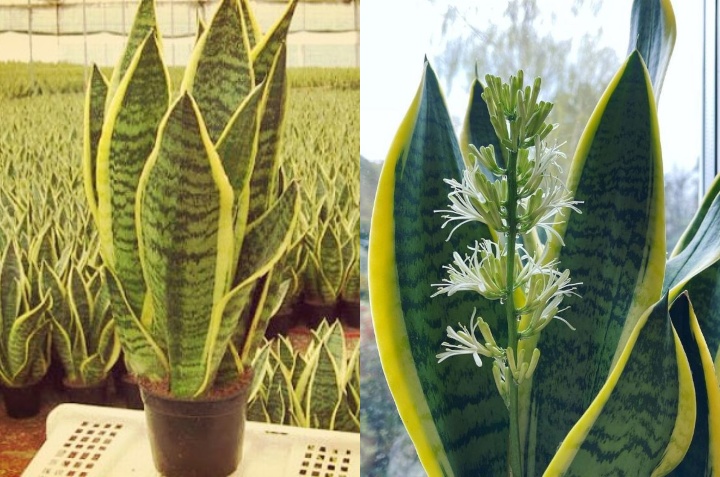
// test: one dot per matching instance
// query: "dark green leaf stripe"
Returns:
(184, 214)
(127, 139)
(703, 456)
(94, 115)
(220, 75)
(264, 179)
(615, 248)
(452, 410)
(652, 33)
(145, 21)
(635, 413)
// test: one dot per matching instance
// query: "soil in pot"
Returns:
(81, 393)
(197, 438)
(22, 402)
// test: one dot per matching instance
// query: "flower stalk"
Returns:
(522, 195)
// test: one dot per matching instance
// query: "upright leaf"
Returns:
(452, 411)
(615, 249)
(185, 235)
(652, 33)
(126, 141)
(219, 74)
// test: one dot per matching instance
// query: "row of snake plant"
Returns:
(317, 386)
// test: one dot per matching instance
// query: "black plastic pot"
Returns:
(196, 438)
(22, 402)
(349, 312)
(95, 395)
(130, 391)
(312, 314)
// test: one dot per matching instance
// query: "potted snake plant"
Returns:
(24, 333)
(192, 216)
(83, 331)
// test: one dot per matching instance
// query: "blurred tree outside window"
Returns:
(575, 46)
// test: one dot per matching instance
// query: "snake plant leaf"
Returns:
(145, 20)
(615, 248)
(704, 290)
(264, 181)
(265, 53)
(143, 355)
(643, 417)
(276, 401)
(127, 138)
(27, 342)
(251, 23)
(703, 456)
(79, 300)
(108, 347)
(477, 128)
(699, 217)
(652, 33)
(91, 370)
(236, 146)
(267, 238)
(225, 316)
(219, 73)
(11, 279)
(63, 326)
(323, 392)
(452, 411)
(185, 237)
(93, 115)
(701, 251)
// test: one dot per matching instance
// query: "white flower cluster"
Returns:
(512, 196)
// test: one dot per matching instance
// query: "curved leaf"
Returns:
(703, 456)
(452, 410)
(93, 116)
(652, 33)
(477, 128)
(646, 404)
(615, 248)
(699, 253)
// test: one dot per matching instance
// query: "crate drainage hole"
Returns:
(82, 449)
(324, 461)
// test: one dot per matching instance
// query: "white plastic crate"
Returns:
(92, 441)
